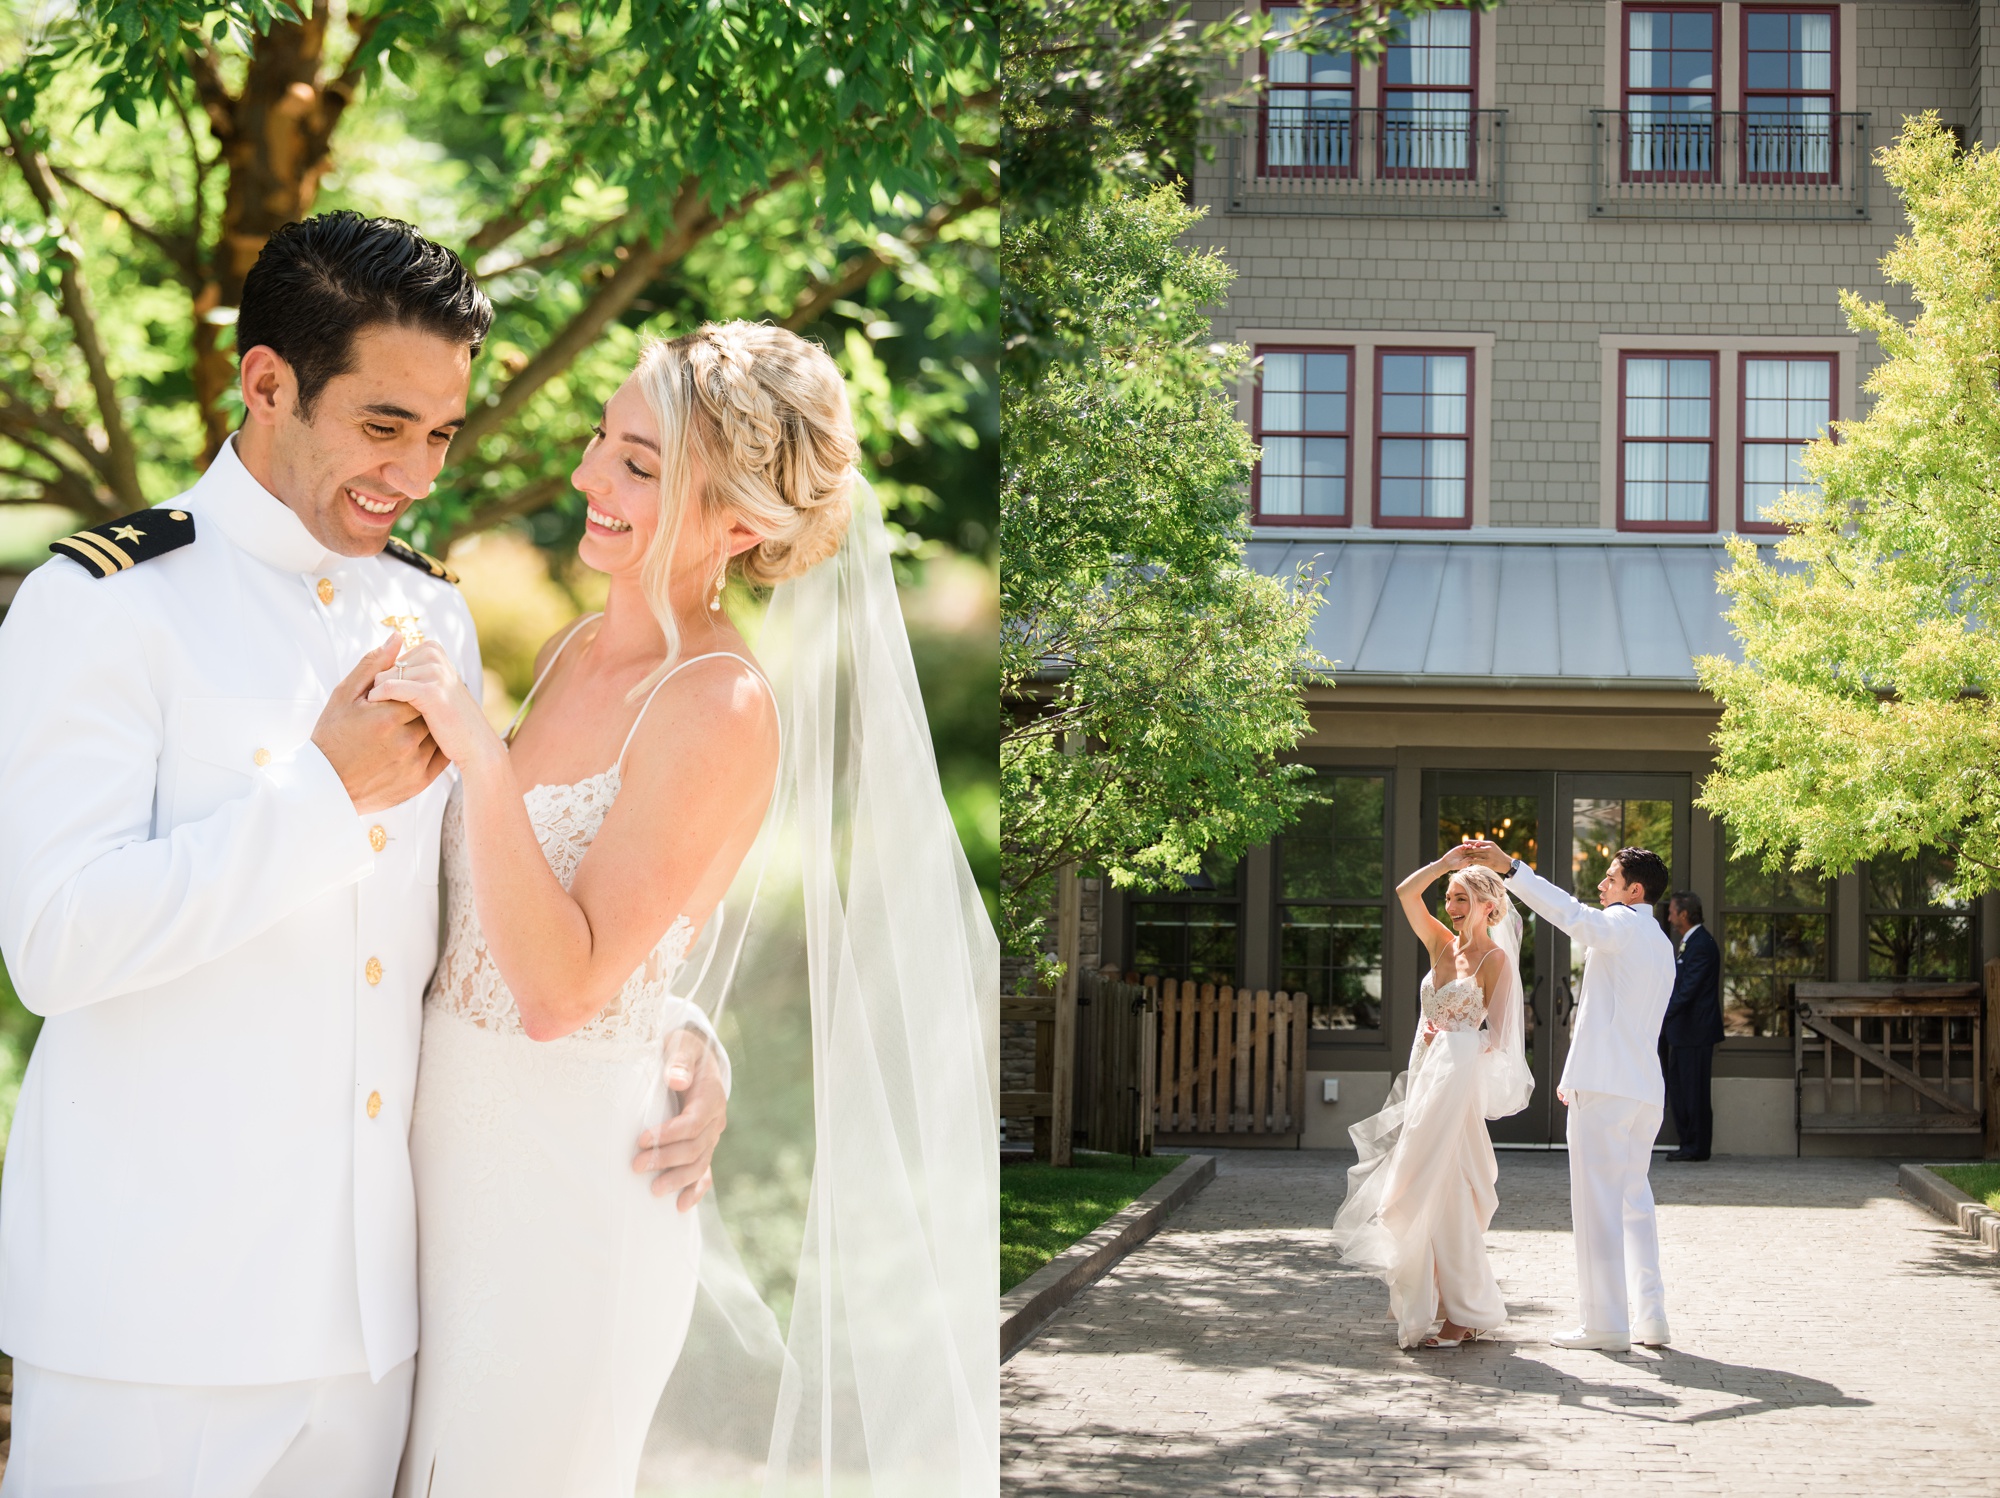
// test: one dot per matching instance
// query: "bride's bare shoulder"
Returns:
(554, 642)
(716, 709)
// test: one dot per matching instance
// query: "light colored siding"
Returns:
(1548, 279)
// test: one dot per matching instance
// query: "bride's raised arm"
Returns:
(1431, 931)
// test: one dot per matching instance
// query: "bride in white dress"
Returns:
(1422, 1195)
(584, 856)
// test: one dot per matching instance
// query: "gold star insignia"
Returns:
(409, 627)
(129, 533)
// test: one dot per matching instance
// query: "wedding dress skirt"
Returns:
(555, 1290)
(1421, 1197)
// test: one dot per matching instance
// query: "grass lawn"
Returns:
(1980, 1182)
(1044, 1210)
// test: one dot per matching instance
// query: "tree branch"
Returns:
(524, 501)
(180, 249)
(857, 270)
(549, 257)
(121, 471)
(691, 221)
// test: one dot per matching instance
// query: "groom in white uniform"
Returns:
(1612, 1086)
(218, 881)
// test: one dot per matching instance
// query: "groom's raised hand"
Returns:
(1489, 855)
(382, 751)
(678, 1151)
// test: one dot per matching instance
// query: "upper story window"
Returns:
(1788, 94)
(1308, 124)
(1304, 425)
(1787, 402)
(1427, 94)
(1666, 441)
(1423, 437)
(1671, 58)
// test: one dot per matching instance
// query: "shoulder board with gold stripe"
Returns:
(402, 551)
(126, 542)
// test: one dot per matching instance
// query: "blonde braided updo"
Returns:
(761, 416)
(1481, 883)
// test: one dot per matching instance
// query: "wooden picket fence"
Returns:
(1231, 1062)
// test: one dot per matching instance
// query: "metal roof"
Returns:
(1513, 609)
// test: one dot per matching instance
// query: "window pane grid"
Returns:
(1670, 93)
(1333, 903)
(1775, 932)
(1423, 451)
(1787, 402)
(1309, 108)
(1916, 930)
(1666, 426)
(1303, 410)
(1788, 94)
(1193, 934)
(1427, 94)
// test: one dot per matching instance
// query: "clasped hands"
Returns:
(388, 730)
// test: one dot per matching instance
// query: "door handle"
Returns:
(1534, 997)
(1568, 1010)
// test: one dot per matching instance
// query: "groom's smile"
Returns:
(369, 444)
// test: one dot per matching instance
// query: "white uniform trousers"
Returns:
(1611, 1210)
(93, 1438)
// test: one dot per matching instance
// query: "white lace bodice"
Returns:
(1459, 1005)
(469, 985)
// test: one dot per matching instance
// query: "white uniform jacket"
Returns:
(208, 1180)
(1628, 976)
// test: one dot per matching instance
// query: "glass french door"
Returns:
(1566, 827)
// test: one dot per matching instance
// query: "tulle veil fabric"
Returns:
(843, 1341)
(1422, 1193)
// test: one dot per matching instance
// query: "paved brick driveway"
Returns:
(1829, 1338)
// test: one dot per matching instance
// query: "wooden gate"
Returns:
(1232, 1063)
(1889, 1058)
(1114, 1063)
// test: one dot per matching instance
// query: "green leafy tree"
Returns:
(1101, 94)
(606, 168)
(1148, 678)
(1862, 719)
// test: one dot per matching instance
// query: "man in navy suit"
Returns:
(1692, 1028)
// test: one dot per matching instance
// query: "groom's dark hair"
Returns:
(319, 283)
(1645, 868)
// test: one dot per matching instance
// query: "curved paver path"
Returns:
(1830, 1338)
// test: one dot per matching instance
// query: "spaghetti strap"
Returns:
(619, 764)
(543, 675)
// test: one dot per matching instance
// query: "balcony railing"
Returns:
(1740, 165)
(1430, 161)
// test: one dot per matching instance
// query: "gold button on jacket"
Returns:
(325, 590)
(373, 972)
(374, 1103)
(261, 758)
(378, 837)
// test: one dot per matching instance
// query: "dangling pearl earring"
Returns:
(721, 578)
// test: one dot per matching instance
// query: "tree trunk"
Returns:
(274, 138)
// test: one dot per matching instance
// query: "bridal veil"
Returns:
(844, 1339)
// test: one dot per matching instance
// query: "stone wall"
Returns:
(1017, 1037)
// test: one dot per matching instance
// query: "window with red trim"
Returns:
(1307, 120)
(1666, 441)
(1428, 94)
(1304, 424)
(1672, 56)
(1423, 437)
(1787, 402)
(1790, 61)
